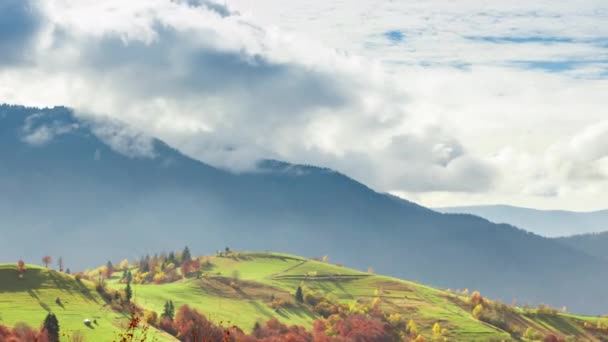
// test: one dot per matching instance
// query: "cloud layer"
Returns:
(439, 124)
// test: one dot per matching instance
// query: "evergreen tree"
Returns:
(299, 295)
(165, 310)
(129, 277)
(172, 258)
(51, 326)
(171, 309)
(186, 256)
(68, 271)
(128, 292)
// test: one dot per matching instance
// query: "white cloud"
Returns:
(123, 139)
(439, 117)
(37, 134)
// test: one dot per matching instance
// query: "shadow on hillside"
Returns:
(10, 282)
(41, 303)
(558, 322)
(261, 308)
(62, 283)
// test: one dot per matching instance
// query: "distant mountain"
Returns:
(593, 244)
(549, 223)
(86, 189)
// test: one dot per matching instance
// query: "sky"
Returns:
(441, 102)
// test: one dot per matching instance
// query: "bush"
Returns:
(280, 303)
(151, 317)
(166, 325)
(543, 309)
(532, 334)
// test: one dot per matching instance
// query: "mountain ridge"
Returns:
(549, 223)
(84, 199)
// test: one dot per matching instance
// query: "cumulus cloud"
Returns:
(444, 115)
(229, 91)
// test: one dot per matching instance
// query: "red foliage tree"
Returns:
(185, 268)
(166, 324)
(476, 298)
(553, 338)
(275, 331)
(20, 268)
(192, 326)
(21, 333)
(47, 260)
(363, 329)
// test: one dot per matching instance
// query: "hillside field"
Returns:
(239, 289)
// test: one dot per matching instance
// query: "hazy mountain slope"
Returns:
(593, 244)
(550, 223)
(74, 195)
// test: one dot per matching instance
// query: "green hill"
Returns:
(28, 300)
(262, 277)
(243, 288)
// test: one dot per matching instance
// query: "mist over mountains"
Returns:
(550, 223)
(85, 189)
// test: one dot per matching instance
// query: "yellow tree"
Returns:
(477, 311)
(437, 330)
(411, 328)
(419, 338)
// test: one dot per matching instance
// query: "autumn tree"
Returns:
(20, 268)
(363, 328)
(437, 330)
(21, 332)
(476, 298)
(552, 338)
(47, 260)
(51, 327)
(124, 265)
(419, 338)
(273, 330)
(185, 268)
(477, 311)
(192, 326)
(411, 328)
(109, 269)
(299, 295)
